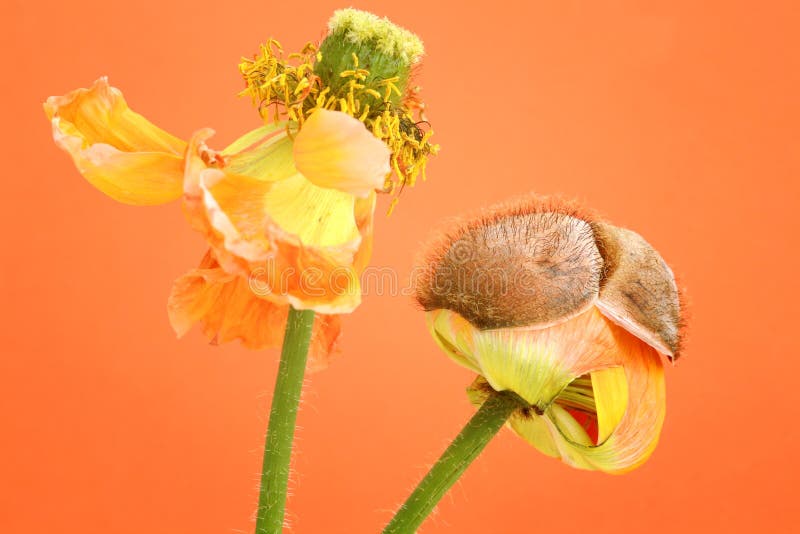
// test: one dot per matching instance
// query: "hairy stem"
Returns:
(469, 443)
(282, 417)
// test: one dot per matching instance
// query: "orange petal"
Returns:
(336, 151)
(304, 245)
(636, 435)
(116, 149)
(229, 309)
(627, 435)
(365, 216)
(639, 291)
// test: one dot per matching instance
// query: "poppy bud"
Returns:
(570, 313)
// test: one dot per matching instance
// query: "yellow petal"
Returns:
(116, 149)
(320, 217)
(265, 153)
(611, 399)
(334, 150)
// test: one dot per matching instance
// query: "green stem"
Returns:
(469, 443)
(282, 417)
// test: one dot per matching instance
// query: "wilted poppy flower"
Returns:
(287, 209)
(570, 313)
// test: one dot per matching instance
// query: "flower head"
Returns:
(570, 313)
(287, 209)
(362, 68)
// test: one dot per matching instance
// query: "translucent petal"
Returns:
(334, 150)
(265, 153)
(320, 217)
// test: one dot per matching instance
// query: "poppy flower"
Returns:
(287, 209)
(570, 313)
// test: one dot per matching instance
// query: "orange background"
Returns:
(677, 119)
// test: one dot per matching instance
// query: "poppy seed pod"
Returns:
(570, 313)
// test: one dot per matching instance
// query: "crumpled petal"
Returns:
(116, 149)
(229, 308)
(631, 405)
(302, 242)
(334, 150)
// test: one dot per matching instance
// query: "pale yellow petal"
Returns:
(265, 153)
(454, 335)
(116, 149)
(334, 150)
(320, 217)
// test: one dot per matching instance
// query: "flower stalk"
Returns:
(469, 443)
(282, 418)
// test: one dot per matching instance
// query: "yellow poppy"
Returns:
(287, 209)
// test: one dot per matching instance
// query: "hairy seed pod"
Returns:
(537, 262)
(570, 313)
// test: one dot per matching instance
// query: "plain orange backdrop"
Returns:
(676, 119)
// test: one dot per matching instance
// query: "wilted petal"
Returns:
(235, 207)
(630, 402)
(306, 245)
(116, 149)
(229, 308)
(334, 150)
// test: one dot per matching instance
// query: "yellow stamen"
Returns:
(291, 84)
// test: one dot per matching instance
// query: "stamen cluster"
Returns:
(294, 89)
